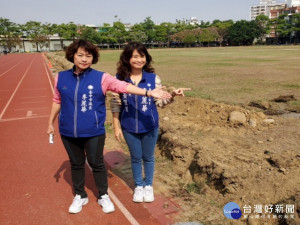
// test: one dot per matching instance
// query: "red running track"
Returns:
(35, 175)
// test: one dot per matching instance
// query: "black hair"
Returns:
(124, 67)
(86, 45)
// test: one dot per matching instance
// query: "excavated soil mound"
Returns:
(230, 153)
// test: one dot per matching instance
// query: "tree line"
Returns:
(178, 34)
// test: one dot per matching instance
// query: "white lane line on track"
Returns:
(22, 118)
(126, 213)
(34, 97)
(122, 208)
(31, 108)
(10, 69)
(16, 89)
(48, 75)
(32, 102)
(33, 89)
(7, 62)
(29, 113)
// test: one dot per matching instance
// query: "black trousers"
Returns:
(78, 150)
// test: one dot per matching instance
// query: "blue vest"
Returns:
(83, 110)
(139, 113)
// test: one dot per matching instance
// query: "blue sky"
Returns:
(127, 11)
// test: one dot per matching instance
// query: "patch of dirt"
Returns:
(205, 159)
(218, 161)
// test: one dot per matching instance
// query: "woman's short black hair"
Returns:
(86, 45)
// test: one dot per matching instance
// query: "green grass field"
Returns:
(224, 74)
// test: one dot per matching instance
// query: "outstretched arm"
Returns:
(156, 93)
(110, 83)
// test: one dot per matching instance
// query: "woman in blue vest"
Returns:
(136, 118)
(79, 102)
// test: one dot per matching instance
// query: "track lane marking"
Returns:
(44, 96)
(8, 61)
(125, 212)
(29, 114)
(1, 115)
(119, 204)
(11, 68)
(48, 75)
(22, 118)
(20, 109)
(32, 102)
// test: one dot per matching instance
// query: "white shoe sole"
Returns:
(110, 211)
(137, 200)
(77, 211)
(149, 200)
(107, 211)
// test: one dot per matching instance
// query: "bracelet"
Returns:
(146, 94)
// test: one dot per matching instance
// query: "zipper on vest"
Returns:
(76, 106)
(136, 114)
(152, 116)
(96, 119)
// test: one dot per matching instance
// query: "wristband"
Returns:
(146, 94)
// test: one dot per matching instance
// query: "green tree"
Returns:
(119, 33)
(243, 32)
(106, 33)
(263, 25)
(189, 39)
(69, 31)
(208, 35)
(288, 26)
(182, 25)
(223, 27)
(295, 30)
(90, 34)
(280, 26)
(166, 29)
(186, 37)
(204, 24)
(137, 33)
(149, 28)
(34, 31)
(48, 30)
(161, 34)
(9, 33)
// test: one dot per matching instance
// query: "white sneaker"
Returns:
(138, 195)
(106, 204)
(77, 204)
(148, 194)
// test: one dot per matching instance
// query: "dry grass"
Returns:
(226, 74)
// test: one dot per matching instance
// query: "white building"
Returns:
(193, 21)
(262, 9)
(293, 3)
(54, 43)
(267, 2)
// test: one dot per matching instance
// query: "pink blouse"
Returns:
(109, 83)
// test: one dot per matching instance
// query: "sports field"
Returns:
(225, 74)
